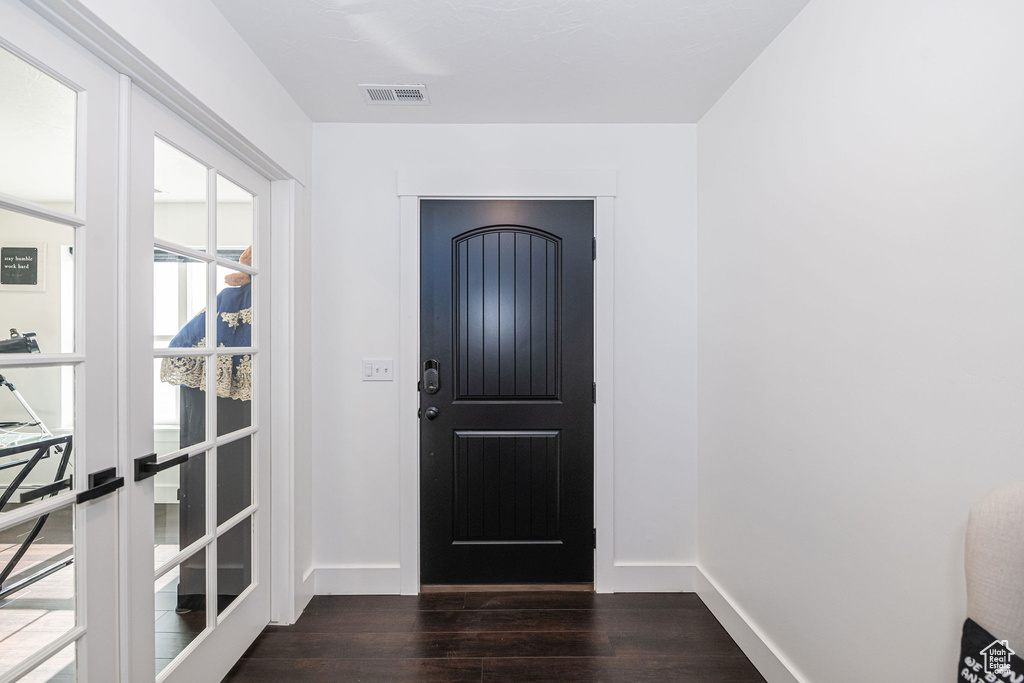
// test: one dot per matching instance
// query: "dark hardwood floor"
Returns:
(491, 636)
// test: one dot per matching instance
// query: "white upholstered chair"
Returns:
(994, 564)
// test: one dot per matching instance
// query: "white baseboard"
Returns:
(772, 664)
(358, 580)
(386, 579)
(653, 578)
(305, 591)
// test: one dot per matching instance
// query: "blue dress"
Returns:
(234, 329)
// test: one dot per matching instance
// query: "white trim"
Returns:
(74, 19)
(124, 450)
(282, 396)
(24, 513)
(653, 578)
(31, 663)
(604, 410)
(305, 592)
(237, 519)
(201, 256)
(406, 376)
(184, 352)
(524, 184)
(358, 580)
(182, 555)
(33, 210)
(19, 360)
(756, 645)
(507, 183)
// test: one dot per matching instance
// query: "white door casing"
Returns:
(596, 184)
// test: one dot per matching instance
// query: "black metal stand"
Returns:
(62, 445)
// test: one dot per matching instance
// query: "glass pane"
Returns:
(37, 601)
(59, 668)
(179, 299)
(37, 135)
(36, 425)
(234, 308)
(234, 563)
(234, 393)
(179, 508)
(180, 608)
(234, 221)
(234, 478)
(179, 197)
(37, 284)
(179, 403)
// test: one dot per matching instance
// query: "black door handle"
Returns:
(100, 484)
(44, 491)
(432, 412)
(147, 466)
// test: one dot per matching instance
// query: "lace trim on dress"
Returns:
(232, 382)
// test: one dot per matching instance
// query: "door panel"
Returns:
(197, 398)
(506, 486)
(506, 466)
(59, 595)
(508, 296)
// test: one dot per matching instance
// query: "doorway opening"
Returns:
(598, 186)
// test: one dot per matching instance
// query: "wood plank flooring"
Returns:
(499, 636)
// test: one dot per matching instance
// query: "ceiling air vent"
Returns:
(394, 94)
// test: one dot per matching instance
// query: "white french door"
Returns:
(59, 483)
(198, 344)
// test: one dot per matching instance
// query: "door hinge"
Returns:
(595, 249)
(595, 539)
(593, 393)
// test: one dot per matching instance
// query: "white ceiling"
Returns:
(511, 61)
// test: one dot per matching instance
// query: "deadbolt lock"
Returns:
(431, 376)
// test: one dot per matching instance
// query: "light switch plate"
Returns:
(378, 369)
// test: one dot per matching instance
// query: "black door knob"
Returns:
(431, 412)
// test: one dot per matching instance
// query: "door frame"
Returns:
(598, 185)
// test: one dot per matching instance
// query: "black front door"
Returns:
(507, 419)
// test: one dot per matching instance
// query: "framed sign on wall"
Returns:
(23, 267)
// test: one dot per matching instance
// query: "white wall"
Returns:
(861, 343)
(356, 315)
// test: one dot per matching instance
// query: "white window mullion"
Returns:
(34, 210)
(211, 402)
